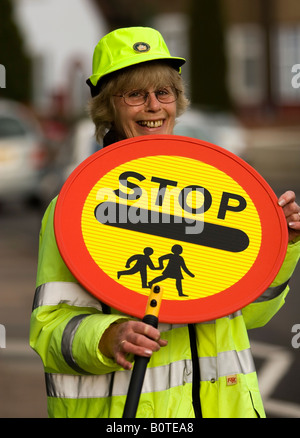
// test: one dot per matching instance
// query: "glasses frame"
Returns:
(176, 93)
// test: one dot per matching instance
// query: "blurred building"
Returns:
(263, 49)
(263, 45)
(263, 54)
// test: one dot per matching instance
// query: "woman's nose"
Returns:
(152, 103)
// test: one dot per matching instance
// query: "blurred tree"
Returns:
(126, 13)
(16, 62)
(207, 55)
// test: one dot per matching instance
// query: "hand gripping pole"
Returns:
(140, 363)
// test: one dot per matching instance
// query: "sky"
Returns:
(59, 31)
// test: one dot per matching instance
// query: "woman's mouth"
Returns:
(151, 123)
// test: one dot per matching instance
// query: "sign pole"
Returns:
(140, 363)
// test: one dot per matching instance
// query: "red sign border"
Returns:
(67, 225)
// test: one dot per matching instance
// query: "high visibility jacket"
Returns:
(67, 323)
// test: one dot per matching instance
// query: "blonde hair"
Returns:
(143, 76)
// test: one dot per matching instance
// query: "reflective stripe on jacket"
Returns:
(67, 323)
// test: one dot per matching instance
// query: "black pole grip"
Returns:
(135, 386)
(140, 362)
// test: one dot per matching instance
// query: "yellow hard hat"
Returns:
(125, 47)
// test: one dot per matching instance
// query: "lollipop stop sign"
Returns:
(176, 212)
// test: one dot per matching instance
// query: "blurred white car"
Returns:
(222, 129)
(23, 155)
(82, 144)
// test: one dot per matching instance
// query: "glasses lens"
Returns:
(135, 97)
(139, 97)
(166, 95)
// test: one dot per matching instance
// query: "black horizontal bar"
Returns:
(171, 227)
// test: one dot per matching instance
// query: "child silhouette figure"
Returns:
(142, 262)
(173, 270)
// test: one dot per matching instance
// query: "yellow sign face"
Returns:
(175, 212)
(210, 237)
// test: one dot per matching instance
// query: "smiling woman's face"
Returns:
(152, 117)
(153, 79)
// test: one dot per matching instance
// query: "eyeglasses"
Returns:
(139, 97)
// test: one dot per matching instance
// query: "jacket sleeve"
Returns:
(67, 322)
(259, 313)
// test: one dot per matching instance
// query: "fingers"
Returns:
(290, 208)
(294, 220)
(122, 359)
(286, 198)
(292, 213)
(134, 338)
(141, 339)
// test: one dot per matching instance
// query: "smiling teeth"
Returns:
(151, 123)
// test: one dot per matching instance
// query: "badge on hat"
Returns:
(141, 47)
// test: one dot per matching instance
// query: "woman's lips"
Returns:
(151, 123)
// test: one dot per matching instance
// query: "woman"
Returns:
(87, 348)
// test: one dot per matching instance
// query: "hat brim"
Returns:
(176, 62)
